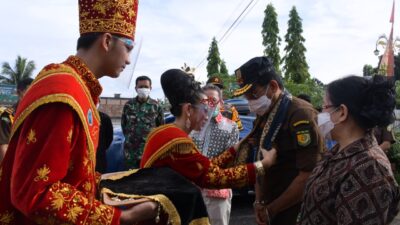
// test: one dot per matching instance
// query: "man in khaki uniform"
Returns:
(290, 125)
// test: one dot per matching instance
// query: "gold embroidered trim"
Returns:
(181, 145)
(101, 25)
(86, 75)
(200, 221)
(42, 174)
(158, 129)
(166, 204)
(242, 90)
(118, 175)
(67, 70)
(63, 98)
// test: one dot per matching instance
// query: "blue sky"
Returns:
(340, 35)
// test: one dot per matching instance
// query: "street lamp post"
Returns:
(382, 42)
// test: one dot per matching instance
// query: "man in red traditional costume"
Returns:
(48, 173)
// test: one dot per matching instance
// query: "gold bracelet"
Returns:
(259, 168)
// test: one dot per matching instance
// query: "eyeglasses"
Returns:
(129, 43)
(212, 102)
(327, 106)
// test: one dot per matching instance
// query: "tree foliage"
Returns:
(295, 65)
(21, 69)
(223, 70)
(270, 35)
(312, 87)
(213, 58)
(368, 70)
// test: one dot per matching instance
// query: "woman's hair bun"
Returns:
(379, 101)
(179, 87)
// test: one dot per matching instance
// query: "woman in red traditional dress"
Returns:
(170, 145)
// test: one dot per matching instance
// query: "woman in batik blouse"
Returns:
(354, 183)
(170, 145)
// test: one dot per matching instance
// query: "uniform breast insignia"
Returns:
(303, 138)
(90, 117)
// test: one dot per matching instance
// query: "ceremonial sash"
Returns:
(273, 123)
(59, 83)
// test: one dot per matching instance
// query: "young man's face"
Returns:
(118, 55)
(143, 84)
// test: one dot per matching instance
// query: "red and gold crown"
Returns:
(108, 16)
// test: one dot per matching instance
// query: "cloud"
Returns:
(340, 35)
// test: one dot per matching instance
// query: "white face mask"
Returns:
(143, 92)
(325, 124)
(260, 105)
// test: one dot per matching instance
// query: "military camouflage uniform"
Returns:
(136, 122)
(6, 120)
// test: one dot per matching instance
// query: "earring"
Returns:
(187, 122)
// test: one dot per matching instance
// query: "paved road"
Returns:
(242, 211)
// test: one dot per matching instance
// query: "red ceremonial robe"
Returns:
(170, 146)
(48, 174)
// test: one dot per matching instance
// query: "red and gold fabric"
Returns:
(47, 175)
(105, 16)
(170, 146)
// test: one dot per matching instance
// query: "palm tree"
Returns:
(22, 69)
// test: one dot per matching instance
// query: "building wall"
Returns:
(113, 106)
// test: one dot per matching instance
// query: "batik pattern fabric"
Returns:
(138, 118)
(47, 176)
(219, 135)
(352, 186)
(169, 146)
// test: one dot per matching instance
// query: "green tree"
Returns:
(368, 70)
(312, 87)
(223, 70)
(295, 65)
(22, 69)
(213, 58)
(270, 35)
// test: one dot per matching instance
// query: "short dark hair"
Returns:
(139, 78)
(23, 84)
(215, 88)
(370, 102)
(85, 41)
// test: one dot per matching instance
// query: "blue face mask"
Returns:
(216, 111)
